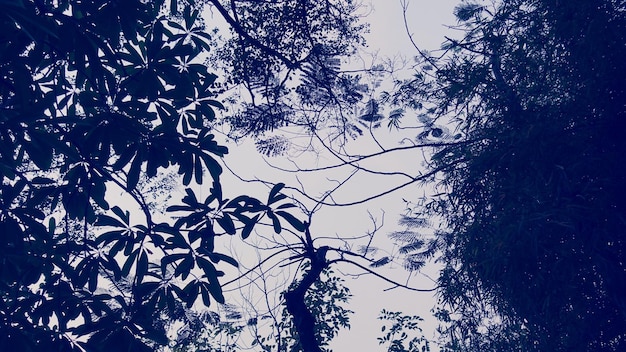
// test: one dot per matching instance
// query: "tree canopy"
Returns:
(99, 96)
(519, 123)
(282, 65)
(533, 195)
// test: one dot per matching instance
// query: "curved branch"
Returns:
(378, 195)
(427, 58)
(255, 267)
(364, 157)
(370, 271)
(242, 32)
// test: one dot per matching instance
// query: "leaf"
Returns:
(38, 180)
(275, 190)
(411, 247)
(413, 264)
(98, 191)
(213, 166)
(190, 293)
(227, 224)
(292, 220)
(177, 240)
(212, 275)
(174, 9)
(173, 208)
(129, 262)
(109, 236)
(465, 12)
(380, 262)
(40, 154)
(125, 157)
(191, 198)
(142, 267)
(125, 216)
(184, 267)
(286, 206)
(185, 168)
(194, 235)
(236, 202)
(436, 132)
(217, 257)
(190, 17)
(93, 278)
(52, 224)
(216, 103)
(247, 229)
(277, 198)
(204, 292)
(169, 259)
(275, 222)
(198, 170)
(216, 292)
(117, 247)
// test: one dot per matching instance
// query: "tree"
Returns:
(527, 171)
(286, 57)
(99, 96)
(325, 300)
(532, 195)
(520, 121)
(396, 336)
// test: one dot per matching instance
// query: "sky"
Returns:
(387, 38)
(426, 20)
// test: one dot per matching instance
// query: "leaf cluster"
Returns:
(396, 336)
(286, 57)
(324, 300)
(533, 194)
(99, 96)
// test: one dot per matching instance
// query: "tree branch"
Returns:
(370, 271)
(255, 42)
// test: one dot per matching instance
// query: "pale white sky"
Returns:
(427, 20)
(387, 38)
(388, 35)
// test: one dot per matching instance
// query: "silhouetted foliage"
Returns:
(397, 337)
(100, 96)
(227, 330)
(533, 193)
(285, 57)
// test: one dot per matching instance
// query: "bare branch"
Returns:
(370, 271)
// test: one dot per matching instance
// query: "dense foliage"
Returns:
(399, 336)
(324, 299)
(233, 328)
(282, 64)
(101, 96)
(533, 195)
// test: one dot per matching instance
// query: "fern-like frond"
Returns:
(411, 247)
(405, 236)
(231, 312)
(273, 146)
(380, 262)
(320, 71)
(413, 264)
(365, 250)
(210, 317)
(257, 119)
(413, 221)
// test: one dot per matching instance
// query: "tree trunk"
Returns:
(304, 320)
